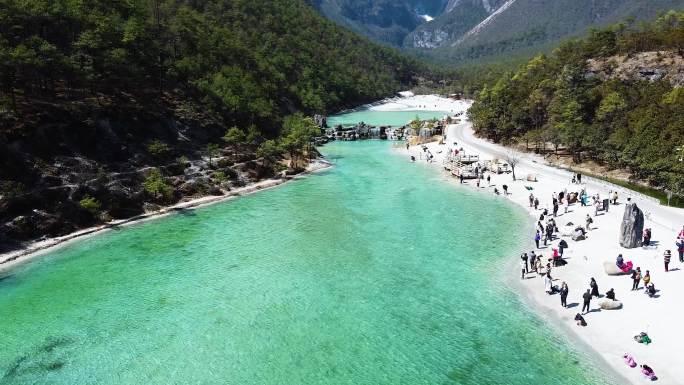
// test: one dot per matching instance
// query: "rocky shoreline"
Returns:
(33, 249)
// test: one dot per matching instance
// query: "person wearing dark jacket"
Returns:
(561, 246)
(636, 278)
(594, 288)
(564, 294)
(533, 261)
(610, 294)
(587, 301)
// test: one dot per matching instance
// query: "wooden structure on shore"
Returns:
(462, 165)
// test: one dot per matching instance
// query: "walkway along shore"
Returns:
(609, 332)
(35, 249)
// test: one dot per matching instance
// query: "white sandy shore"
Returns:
(421, 103)
(14, 258)
(609, 333)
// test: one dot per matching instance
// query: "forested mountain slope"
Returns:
(614, 97)
(100, 100)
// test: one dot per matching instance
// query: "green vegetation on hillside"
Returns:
(95, 93)
(239, 61)
(636, 125)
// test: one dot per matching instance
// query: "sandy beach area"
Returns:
(609, 332)
(36, 249)
(421, 103)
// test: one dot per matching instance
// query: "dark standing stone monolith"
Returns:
(632, 227)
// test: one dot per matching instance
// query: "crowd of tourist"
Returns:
(547, 232)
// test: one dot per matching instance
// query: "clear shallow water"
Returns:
(382, 118)
(377, 271)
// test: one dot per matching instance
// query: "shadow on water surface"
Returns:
(45, 358)
(184, 211)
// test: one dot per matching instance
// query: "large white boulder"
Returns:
(609, 304)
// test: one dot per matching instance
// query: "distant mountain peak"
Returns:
(467, 30)
(493, 14)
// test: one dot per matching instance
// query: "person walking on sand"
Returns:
(666, 258)
(489, 180)
(407, 146)
(587, 301)
(523, 268)
(523, 256)
(505, 188)
(594, 288)
(539, 266)
(531, 200)
(680, 249)
(589, 221)
(564, 294)
(615, 197)
(533, 261)
(561, 246)
(536, 203)
(537, 238)
(636, 278)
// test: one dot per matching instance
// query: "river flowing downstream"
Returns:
(376, 271)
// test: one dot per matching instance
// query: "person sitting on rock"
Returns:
(619, 261)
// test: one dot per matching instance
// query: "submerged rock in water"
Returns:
(632, 227)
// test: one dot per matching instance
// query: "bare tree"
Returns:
(512, 161)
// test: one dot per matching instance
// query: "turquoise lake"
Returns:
(382, 118)
(376, 271)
